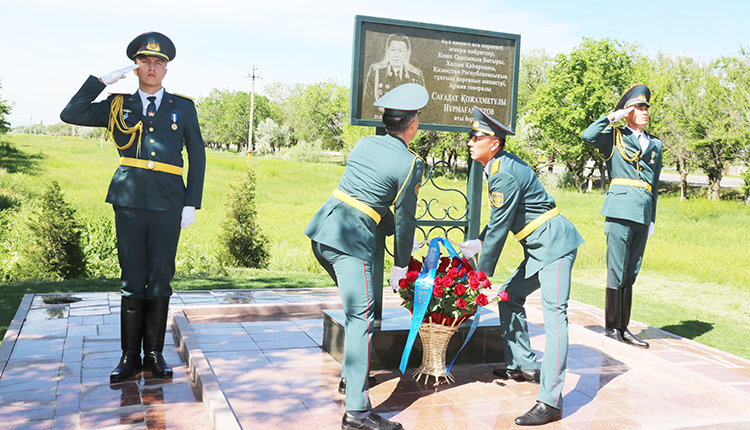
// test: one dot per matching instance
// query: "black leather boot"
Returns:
(155, 328)
(372, 422)
(131, 333)
(613, 313)
(627, 336)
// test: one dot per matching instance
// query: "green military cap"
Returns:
(637, 96)
(152, 44)
(403, 100)
(485, 125)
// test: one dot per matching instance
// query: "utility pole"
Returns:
(252, 106)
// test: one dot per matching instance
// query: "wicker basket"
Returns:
(435, 338)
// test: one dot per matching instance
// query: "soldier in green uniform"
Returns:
(381, 171)
(550, 244)
(150, 200)
(633, 159)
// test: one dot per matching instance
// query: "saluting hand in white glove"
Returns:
(111, 78)
(619, 114)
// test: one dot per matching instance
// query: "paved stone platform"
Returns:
(252, 359)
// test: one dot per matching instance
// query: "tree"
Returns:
(532, 76)
(224, 117)
(57, 235)
(675, 83)
(314, 111)
(5, 107)
(243, 244)
(271, 136)
(581, 87)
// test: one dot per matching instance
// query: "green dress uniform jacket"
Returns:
(381, 171)
(519, 201)
(175, 125)
(517, 198)
(625, 201)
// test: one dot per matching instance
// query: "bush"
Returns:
(57, 237)
(306, 152)
(100, 248)
(243, 244)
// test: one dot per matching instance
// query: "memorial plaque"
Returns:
(459, 67)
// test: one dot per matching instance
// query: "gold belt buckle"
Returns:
(150, 164)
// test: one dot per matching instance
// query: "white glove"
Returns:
(651, 229)
(188, 216)
(397, 274)
(416, 246)
(619, 114)
(111, 78)
(470, 248)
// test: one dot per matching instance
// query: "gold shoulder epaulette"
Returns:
(495, 167)
(121, 94)
(184, 97)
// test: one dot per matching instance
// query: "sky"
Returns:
(50, 47)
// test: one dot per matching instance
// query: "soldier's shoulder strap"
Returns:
(184, 96)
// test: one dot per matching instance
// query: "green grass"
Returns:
(695, 280)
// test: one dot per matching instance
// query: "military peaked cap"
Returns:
(152, 44)
(636, 96)
(403, 100)
(485, 125)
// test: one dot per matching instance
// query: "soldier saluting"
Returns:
(633, 159)
(147, 192)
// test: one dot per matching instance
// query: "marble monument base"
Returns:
(389, 338)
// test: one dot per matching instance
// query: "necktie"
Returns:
(151, 108)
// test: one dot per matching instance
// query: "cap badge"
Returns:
(153, 46)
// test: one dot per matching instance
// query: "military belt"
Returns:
(150, 165)
(631, 182)
(538, 221)
(356, 204)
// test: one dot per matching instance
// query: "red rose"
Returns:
(474, 284)
(412, 276)
(482, 300)
(438, 281)
(456, 262)
(452, 272)
(466, 262)
(486, 284)
(473, 276)
(503, 296)
(482, 275)
(447, 282)
(462, 271)
(461, 303)
(437, 291)
(415, 266)
(403, 283)
(460, 289)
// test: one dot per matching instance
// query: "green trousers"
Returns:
(146, 249)
(554, 281)
(353, 277)
(626, 243)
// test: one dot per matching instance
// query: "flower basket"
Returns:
(456, 296)
(435, 338)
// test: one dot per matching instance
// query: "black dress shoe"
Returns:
(154, 361)
(518, 375)
(342, 384)
(540, 414)
(629, 338)
(614, 333)
(372, 422)
(130, 364)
